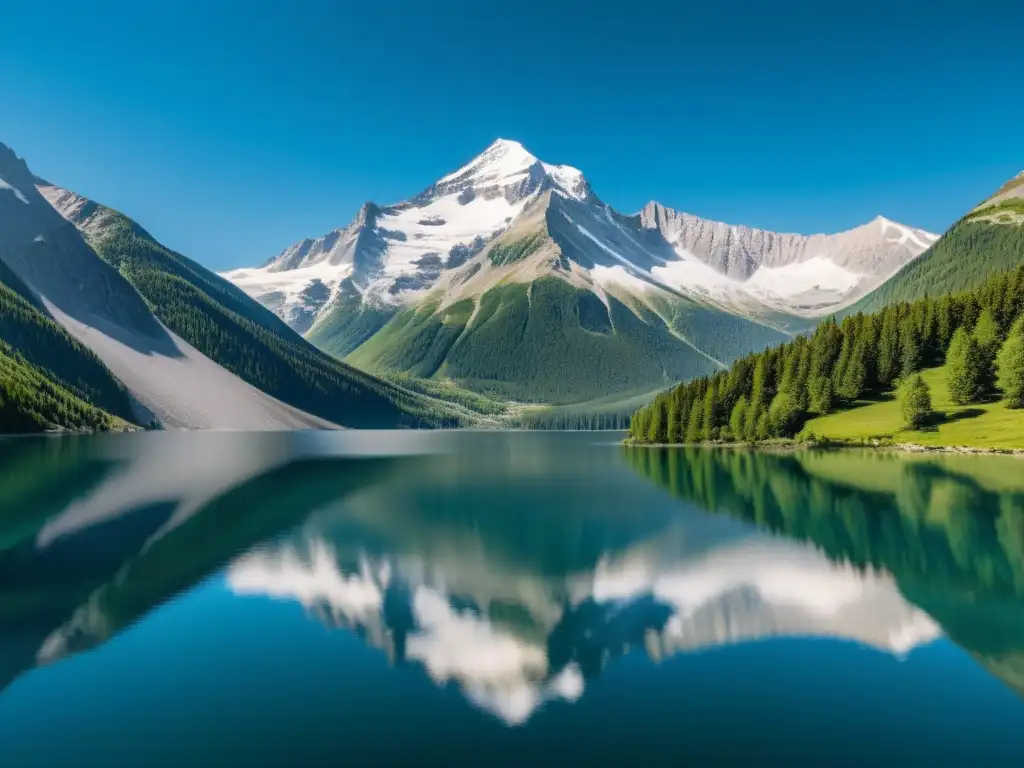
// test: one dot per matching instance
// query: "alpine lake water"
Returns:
(173, 599)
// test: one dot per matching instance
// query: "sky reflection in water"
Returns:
(524, 574)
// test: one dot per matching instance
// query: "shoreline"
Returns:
(785, 447)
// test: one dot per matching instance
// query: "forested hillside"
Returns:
(31, 401)
(978, 334)
(548, 341)
(988, 240)
(232, 329)
(962, 259)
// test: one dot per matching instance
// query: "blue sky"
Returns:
(233, 128)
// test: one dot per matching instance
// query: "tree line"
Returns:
(979, 334)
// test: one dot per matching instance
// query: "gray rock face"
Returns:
(336, 247)
(878, 248)
(169, 380)
(49, 255)
(1012, 189)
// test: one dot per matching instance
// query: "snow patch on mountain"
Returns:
(294, 295)
(435, 229)
(792, 280)
(618, 275)
(907, 236)
(693, 274)
(4, 186)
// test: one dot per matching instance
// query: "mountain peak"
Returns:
(506, 163)
(15, 176)
(507, 145)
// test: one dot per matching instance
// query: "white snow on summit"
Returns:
(406, 246)
(507, 162)
(440, 226)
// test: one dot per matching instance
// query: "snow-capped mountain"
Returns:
(510, 276)
(796, 273)
(392, 255)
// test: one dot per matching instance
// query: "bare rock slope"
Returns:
(170, 381)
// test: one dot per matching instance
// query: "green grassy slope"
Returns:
(250, 341)
(984, 425)
(961, 259)
(723, 336)
(349, 323)
(416, 341)
(546, 341)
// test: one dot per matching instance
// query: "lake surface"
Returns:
(504, 598)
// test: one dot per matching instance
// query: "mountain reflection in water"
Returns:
(514, 568)
(512, 639)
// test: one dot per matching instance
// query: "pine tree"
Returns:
(708, 430)
(656, 430)
(966, 368)
(696, 421)
(763, 429)
(673, 429)
(889, 365)
(916, 402)
(1010, 366)
(825, 348)
(986, 332)
(868, 350)
(945, 323)
(758, 391)
(910, 347)
(751, 421)
(820, 395)
(784, 417)
(854, 377)
(738, 419)
(839, 372)
(803, 375)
